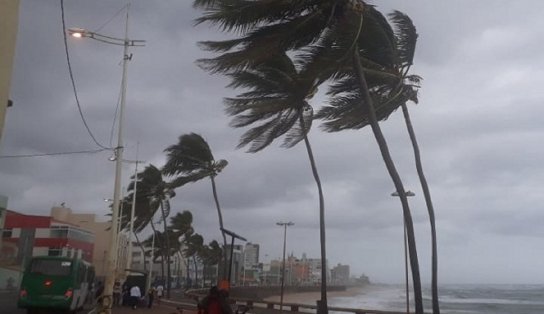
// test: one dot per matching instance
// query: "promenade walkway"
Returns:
(164, 308)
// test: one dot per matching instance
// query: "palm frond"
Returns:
(406, 37)
(191, 153)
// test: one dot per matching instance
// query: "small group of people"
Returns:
(136, 295)
(130, 295)
(153, 292)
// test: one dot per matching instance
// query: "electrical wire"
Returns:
(108, 21)
(55, 154)
(72, 78)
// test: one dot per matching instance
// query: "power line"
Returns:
(111, 19)
(55, 154)
(72, 78)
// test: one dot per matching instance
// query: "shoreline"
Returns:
(310, 298)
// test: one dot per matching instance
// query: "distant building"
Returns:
(340, 274)
(102, 237)
(25, 236)
(237, 262)
(251, 255)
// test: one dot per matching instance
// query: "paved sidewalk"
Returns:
(165, 308)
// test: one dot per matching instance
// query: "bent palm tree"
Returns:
(153, 194)
(406, 36)
(190, 160)
(277, 100)
(334, 37)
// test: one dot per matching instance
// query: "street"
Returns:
(8, 305)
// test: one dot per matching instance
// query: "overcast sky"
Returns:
(479, 126)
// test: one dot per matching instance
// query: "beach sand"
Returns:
(311, 297)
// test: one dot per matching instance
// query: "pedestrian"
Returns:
(135, 295)
(150, 296)
(98, 292)
(215, 302)
(160, 293)
(117, 293)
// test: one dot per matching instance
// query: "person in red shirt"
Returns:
(215, 302)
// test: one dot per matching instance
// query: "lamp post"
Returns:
(408, 194)
(284, 225)
(125, 42)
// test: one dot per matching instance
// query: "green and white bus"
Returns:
(56, 283)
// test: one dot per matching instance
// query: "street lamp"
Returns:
(408, 194)
(285, 225)
(125, 42)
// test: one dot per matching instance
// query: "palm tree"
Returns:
(190, 160)
(406, 39)
(194, 245)
(181, 226)
(153, 194)
(333, 36)
(211, 254)
(388, 94)
(276, 99)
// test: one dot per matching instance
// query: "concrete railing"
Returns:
(270, 307)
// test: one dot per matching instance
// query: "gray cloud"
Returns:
(478, 126)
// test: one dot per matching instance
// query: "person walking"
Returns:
(150, 296)
(117, 293)
(135, 295)
(160, 292)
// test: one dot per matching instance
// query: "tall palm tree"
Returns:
(194, 245)
(406, 39)
(211, 254)
(276, 98)
(154, 194)
(333, 36)
(190, 160)
(389, 92)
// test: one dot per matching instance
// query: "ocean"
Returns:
(454, 299)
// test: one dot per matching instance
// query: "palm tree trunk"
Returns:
(323, 307)
(167, 240)
(141, 248)
(430, 208)
(188, 276)
(216, 199)
(159, 245)
(380, 139)
(196, 271)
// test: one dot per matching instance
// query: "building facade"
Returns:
(102, 238)
(340, 274)
(25, 236)
(251, 255)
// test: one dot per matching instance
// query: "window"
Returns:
(7, 233)
(51, 267)
(54, 252)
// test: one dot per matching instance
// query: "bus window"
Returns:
(51, 267)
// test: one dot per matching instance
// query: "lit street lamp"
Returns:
(408, 194)
(285, 225)
(125, 42)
